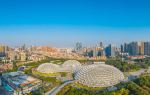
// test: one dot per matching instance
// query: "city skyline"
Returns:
(63, 23)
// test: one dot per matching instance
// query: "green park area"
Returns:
(35, 72)
(124, 66)
(80, 86)
(139, 86)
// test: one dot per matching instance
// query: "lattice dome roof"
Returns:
(48, 68)
(99, 75)
(71, 65)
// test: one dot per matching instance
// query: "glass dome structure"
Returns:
(68, 66)
(71, 65)
(99, 75)
(48, 68)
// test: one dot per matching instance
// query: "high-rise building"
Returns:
(100, 44)
(3, 50)
(78, 46)
(95, 53)
(147, 48)
(141, 48)
(23, 47)
(136, 48)
(122, 49)
(23, 56)
(110, 51)
(126, 48)
(133, 48)
(11, 55)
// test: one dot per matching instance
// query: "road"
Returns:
(56, 89)
(134, 75)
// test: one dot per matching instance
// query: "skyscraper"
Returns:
(23, 47)
(136, 48)
(110, 51)
(133, 48)
(126, 48)
(122, 49)
(141, 48)
(3, 50)
(100, 44)
(78, 46)
(147, 48)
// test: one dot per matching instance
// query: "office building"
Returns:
(136, 48)
(78, 46)
(100, 45)
(122, 49)
(111, 51)
(147, 48)
(3, 50)
(126, 48)
(141, 48)
(133, 49)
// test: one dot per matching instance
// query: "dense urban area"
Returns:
(93, 70)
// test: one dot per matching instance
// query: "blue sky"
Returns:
(61, 23)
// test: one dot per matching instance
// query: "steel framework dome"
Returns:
(67, 66)
(71, 65)
(48, 68)
(99, 75)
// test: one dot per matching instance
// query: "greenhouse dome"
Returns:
(99, 75)
(49, 68)
(71, 65)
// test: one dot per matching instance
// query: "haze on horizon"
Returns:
(62, 23)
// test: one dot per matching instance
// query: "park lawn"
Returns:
(46, 75)
(80, 86)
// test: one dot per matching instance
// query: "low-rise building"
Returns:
(6, 66)
(18, 83)
(36, 57)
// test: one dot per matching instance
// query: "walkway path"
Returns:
(56, 89)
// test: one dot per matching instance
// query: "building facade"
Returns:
(147, 48)
(18, 83)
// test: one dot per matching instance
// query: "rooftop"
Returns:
(20, 80)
